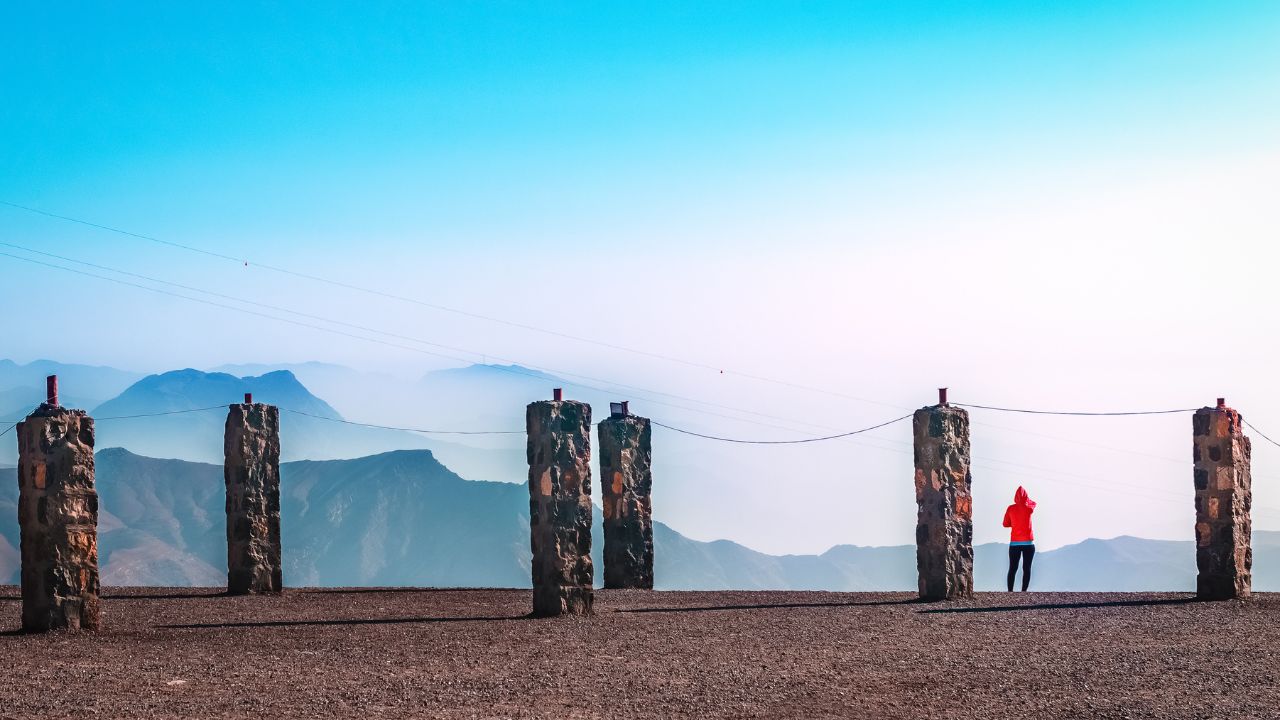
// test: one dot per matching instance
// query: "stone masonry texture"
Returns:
(626, 479)
(1224, 497)
(944, 520)
(559, 452)
(58, 517)
(251, 468)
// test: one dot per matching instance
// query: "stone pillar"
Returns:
(1224, 496)
(944, 519)
(559, 452)
(626, 480)
(58, 518)
(251, 468)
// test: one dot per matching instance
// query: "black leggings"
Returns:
(1027, 553)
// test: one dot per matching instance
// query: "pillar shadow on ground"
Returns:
(1063, 606)
(211, 595)
(774, 606)
(337, 623)
(376, 590)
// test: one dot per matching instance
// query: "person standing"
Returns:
(1022, 543)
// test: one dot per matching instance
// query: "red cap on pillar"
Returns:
(1222, 403)
(942, 396)
(51, 390)
(557, 394)
(248, 398)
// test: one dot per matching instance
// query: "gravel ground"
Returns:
(471, 653)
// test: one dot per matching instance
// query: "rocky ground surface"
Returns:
(472, 653)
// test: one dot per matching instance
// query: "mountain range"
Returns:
(180, 414)
(383, 506)
(403, 519)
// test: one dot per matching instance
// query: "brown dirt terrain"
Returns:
(471, 653)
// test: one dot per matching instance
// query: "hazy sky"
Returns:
(1054, 205)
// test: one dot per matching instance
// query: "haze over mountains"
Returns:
(402, 518)
(308, 427)
(376, 506)
(22, 387)
(198, 435)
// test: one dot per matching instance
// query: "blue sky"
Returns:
(476, 121)
(1050, 204)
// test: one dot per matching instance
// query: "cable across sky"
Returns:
(245, 262)
(719, 369)
(510, 370)
(1263, 435)
(481, 316)
(1081, 414)
(514, 370)
(615, 386)
(780, 442)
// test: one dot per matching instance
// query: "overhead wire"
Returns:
(14, 423)
(1083, 414)
(366, 329)
(372, 291)
(159, 414)
(513, 370)
(351, 286)
(779, 442)
(355, 326)
(1082, 443)
(444, 308)
(673, 428)
(1264, 436)
(324, 329)
(139, 415)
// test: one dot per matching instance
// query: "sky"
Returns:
(1047, 205)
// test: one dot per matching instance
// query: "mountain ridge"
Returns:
(403, 518)
(309, 426)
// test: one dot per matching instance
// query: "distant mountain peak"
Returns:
(483, 370)
(113, 453)
(415, 458)
(189, 388)
(181, 414)
(93, 383)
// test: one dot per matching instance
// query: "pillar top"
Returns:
(1220, 405)
(46, 410)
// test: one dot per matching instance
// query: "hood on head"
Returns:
(1022, 498)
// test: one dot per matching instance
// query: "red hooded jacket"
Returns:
(1018, 517)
